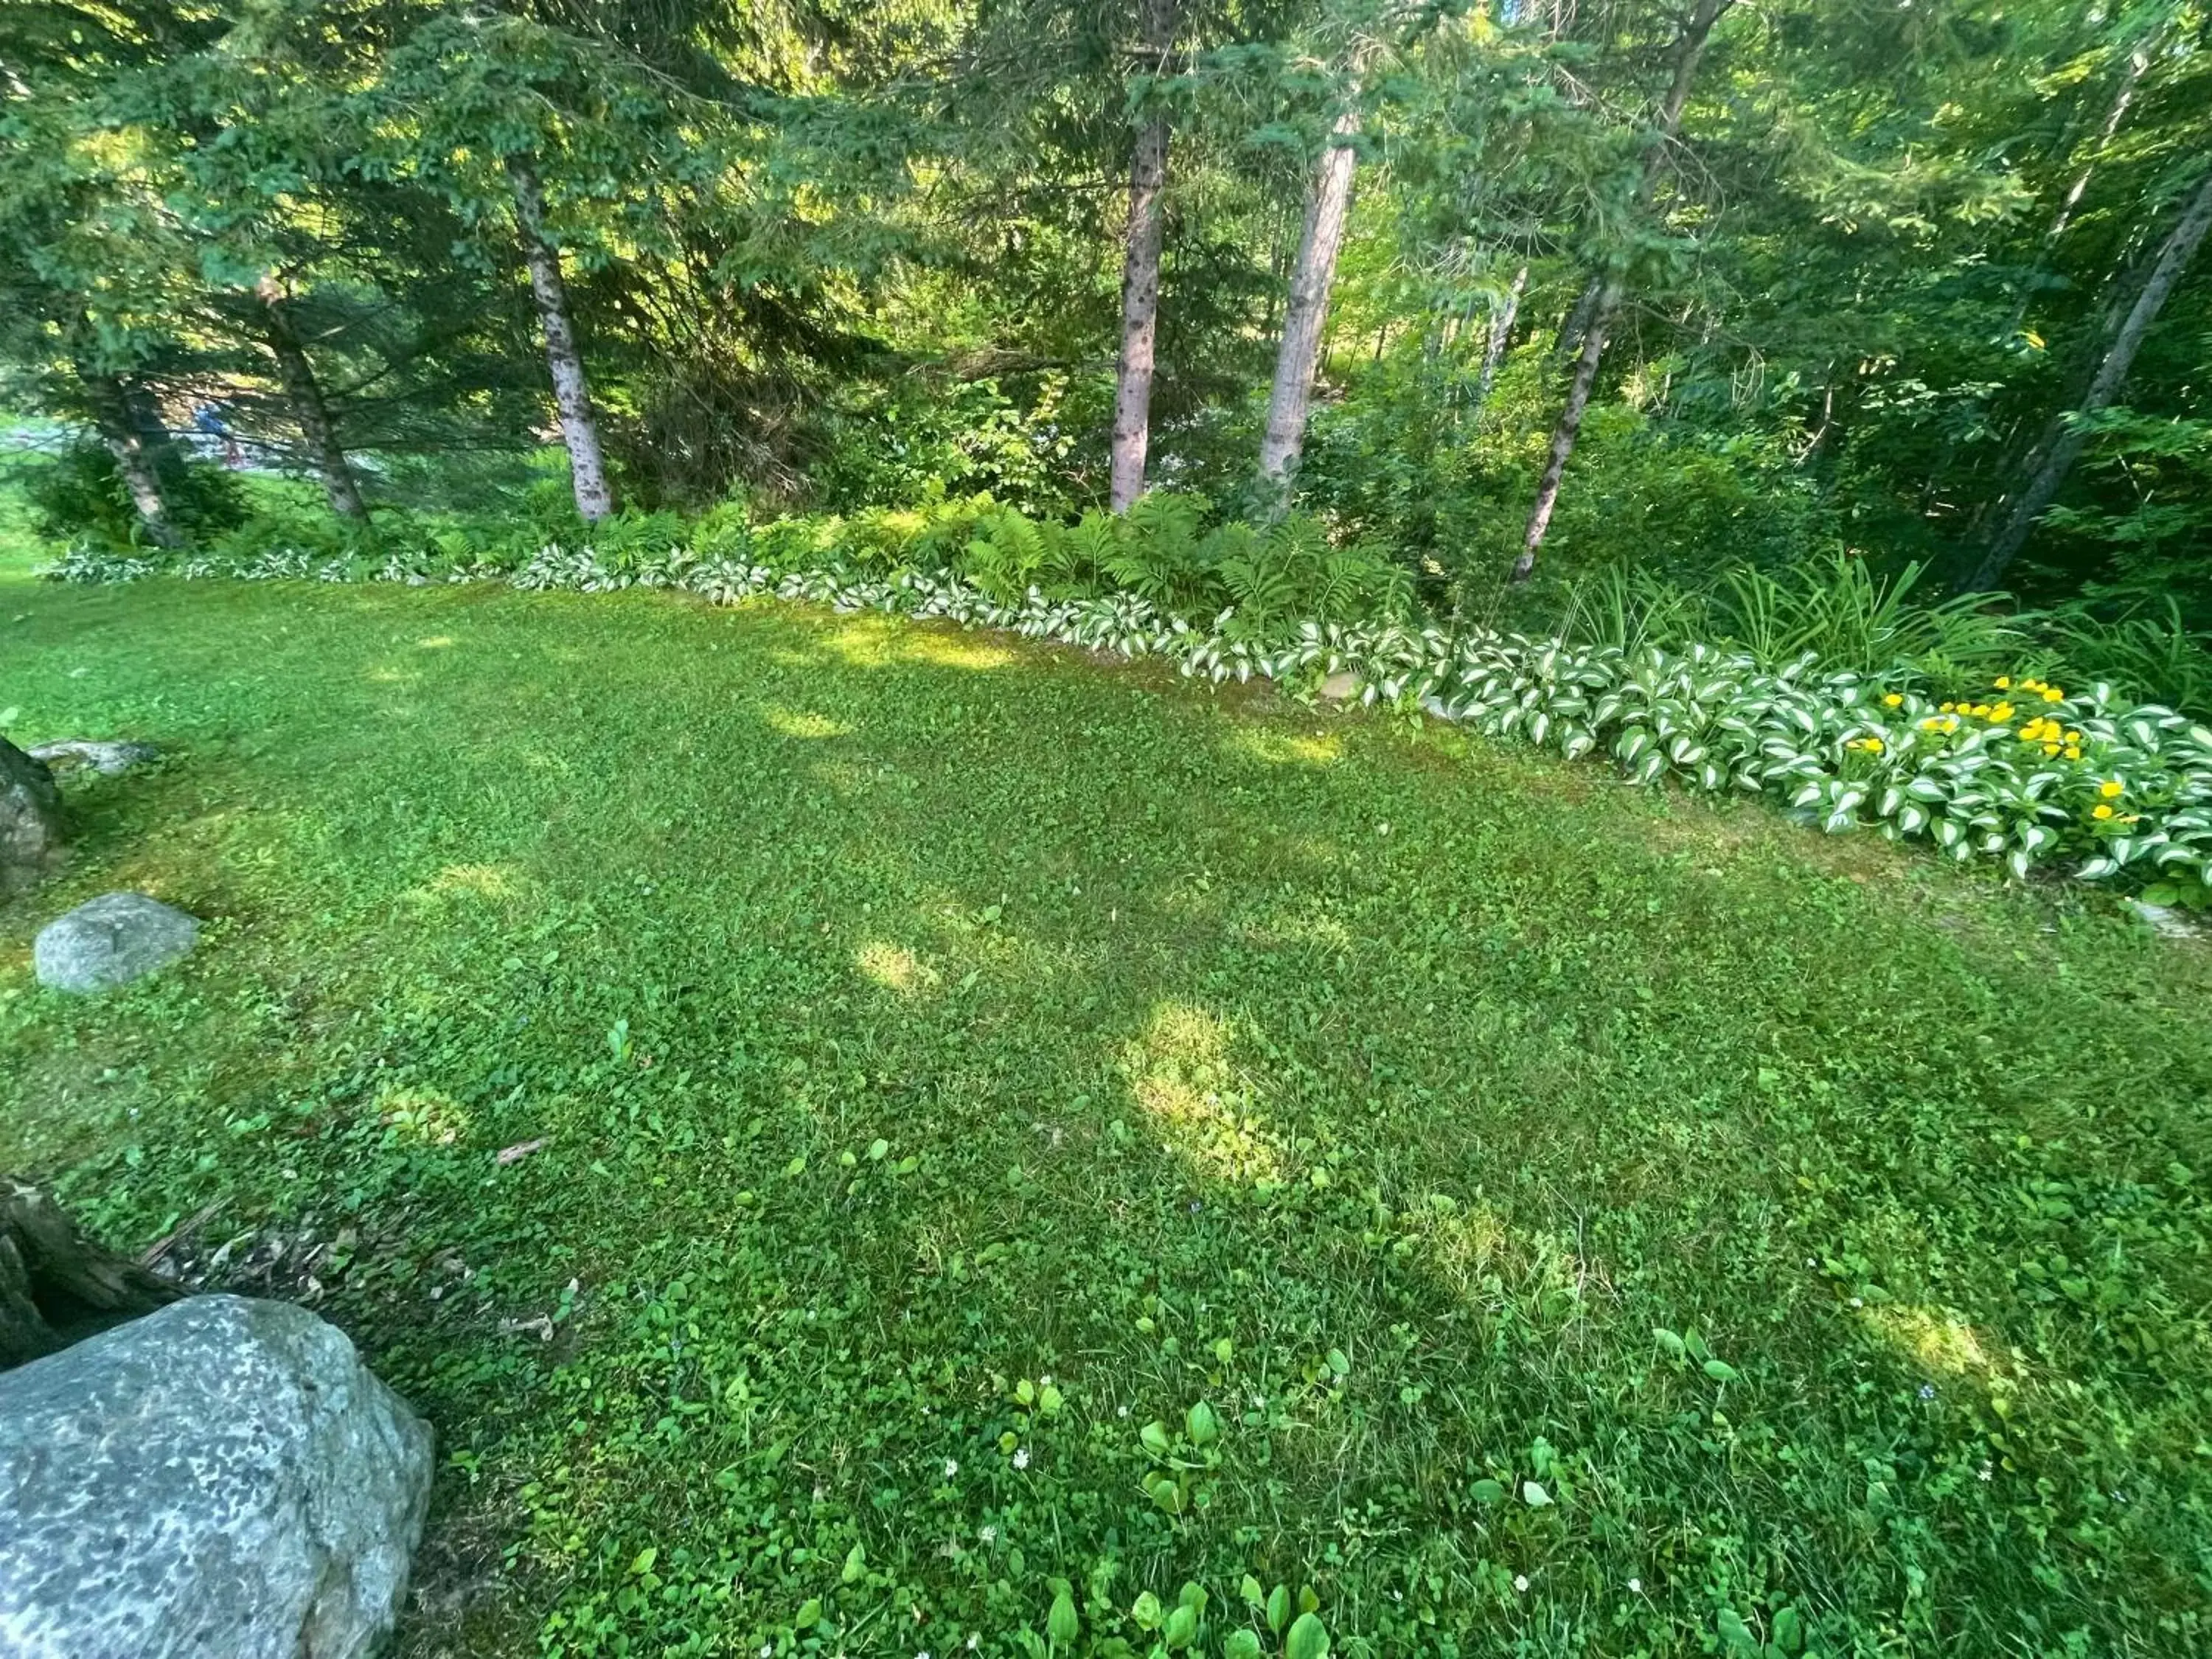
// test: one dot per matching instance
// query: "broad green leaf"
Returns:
(1061, 1625)
(1309, 1639)
(1181, 1629)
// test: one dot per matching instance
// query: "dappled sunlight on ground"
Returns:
(1285, 748)
(894, 967)
(468, 881)
(1178, 1070)
(873, 641)
(798, 723)
(1936, 1339)
(428, 1116)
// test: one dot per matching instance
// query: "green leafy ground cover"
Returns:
(1006, 1119)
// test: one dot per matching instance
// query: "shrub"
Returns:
(78, 496)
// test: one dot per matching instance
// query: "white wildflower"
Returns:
(1022, 1458)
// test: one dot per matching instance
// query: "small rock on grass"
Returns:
(110, 758)
(2163, 917)
(111, 941)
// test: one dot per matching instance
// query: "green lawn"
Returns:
(912, 1017)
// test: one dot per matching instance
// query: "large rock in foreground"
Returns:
(110, 941)
(221, 1477)
(30, 819)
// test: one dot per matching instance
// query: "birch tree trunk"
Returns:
(1501, 332)
(2062, 440)
(304, 393)
(1140, 281)
(1697, 29)
(1307, 315)
(2138, 62)
(1570, 427)
(572, 391)
(137, 456)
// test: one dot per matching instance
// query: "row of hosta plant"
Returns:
(2036, 776)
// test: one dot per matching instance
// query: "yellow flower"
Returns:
(2101, 811)
(2050, 748)
(2002, 712)
(2004, 681)
(1893, 699)
(2073, 737)
(2112, 788)
(2052, 694)
(1979, 710)
(1943, 707)
(2073, 753)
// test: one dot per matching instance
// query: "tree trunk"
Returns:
(304, 392)
(57, 1286)
(1308, 313)
(2138, 62)
(1570, 425)
(572, 391)
(1697, 29)
(138, 457)
(2063, 439)
(1576, 324)
(1140, 279)
(1501, 333)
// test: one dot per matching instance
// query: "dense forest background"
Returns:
(1508, 294)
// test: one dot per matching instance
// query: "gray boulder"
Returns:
(30, 819)
(110, 941)
(108, 758)
(221, 1477)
